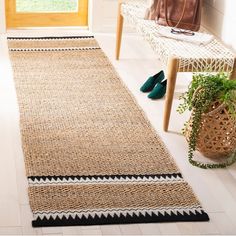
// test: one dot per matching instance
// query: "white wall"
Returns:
(219, 16)
(106, 12)
(2, 17)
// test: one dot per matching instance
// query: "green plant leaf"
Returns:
(205, 89)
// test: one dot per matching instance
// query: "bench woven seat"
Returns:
(177, 55)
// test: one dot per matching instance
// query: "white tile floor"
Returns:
(216, 189)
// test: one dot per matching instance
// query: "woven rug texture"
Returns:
(91, 155)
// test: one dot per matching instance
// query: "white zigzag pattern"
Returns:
(119, 213)
(100, 180)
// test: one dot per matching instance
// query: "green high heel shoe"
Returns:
(159, 90)
(152, 81)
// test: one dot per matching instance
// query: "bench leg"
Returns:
(233, 74)
(172, 71)
(120, 21)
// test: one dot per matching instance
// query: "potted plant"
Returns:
(212, 127)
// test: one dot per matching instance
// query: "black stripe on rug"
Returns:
(84, 177)
(53, 49)
(128, 219)
(51, 37)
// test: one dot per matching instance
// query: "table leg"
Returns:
(120, 21)
(172, 70)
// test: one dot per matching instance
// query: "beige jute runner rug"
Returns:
(91, 155)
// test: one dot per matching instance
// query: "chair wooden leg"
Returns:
(172, 71)
(120, 21)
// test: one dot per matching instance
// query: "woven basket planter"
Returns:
(217, 135)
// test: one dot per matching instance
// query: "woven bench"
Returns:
(177, 56)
